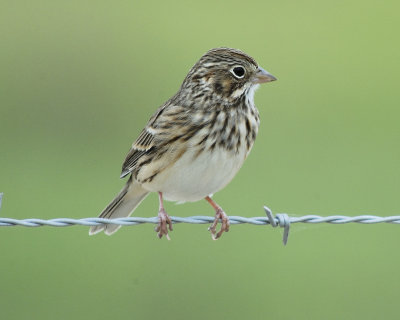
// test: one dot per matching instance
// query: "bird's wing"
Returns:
(142, 144)
(147, 140)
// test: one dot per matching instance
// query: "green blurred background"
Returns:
(78, 81)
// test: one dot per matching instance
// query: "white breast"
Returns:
(192, 179)
(196, 175)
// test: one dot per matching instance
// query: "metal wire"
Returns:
(279, 220)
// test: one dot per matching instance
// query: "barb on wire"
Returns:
(279, 220)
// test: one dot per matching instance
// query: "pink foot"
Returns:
(164, 224)
(220, 214)
(164, 221)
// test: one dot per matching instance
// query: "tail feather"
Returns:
(123, 205)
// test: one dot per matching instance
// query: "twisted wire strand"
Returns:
(68, 222)
(282, 220)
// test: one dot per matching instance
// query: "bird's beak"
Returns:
(263, 76)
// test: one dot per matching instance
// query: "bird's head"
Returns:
(226, 74)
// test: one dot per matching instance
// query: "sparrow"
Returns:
(196, 142)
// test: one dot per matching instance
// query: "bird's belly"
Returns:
(194, 177)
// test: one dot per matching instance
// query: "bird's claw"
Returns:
(164, 223)
(220, 214)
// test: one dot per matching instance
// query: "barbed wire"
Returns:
(282, 220)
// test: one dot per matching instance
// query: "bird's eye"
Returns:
(238, 72)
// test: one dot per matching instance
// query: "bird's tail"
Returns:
(122, 206)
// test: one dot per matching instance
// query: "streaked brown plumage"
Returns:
(197, 141)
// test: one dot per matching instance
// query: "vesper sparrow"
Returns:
(196, 142)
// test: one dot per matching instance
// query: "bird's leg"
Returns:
(219, 214)
(164, 221)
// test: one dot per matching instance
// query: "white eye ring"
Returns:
(238, 72)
